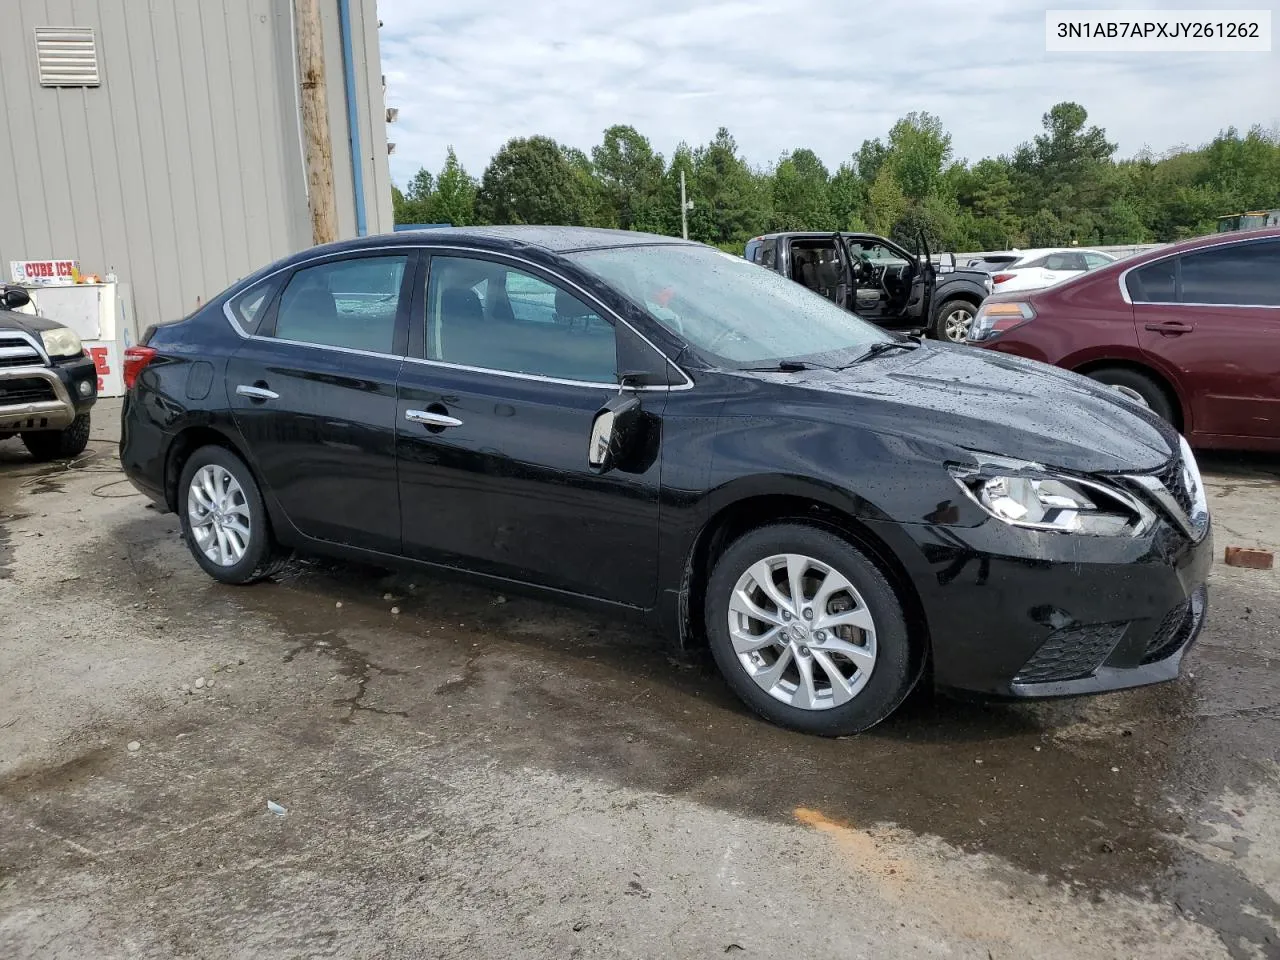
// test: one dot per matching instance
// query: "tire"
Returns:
(46, 445)
(886, 667)
(948, 318)
(1152, 394)
(238, 508)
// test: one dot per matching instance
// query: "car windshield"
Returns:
(733, 311)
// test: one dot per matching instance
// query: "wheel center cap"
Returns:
(799, 631)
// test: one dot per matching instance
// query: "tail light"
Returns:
(994, 319)
(1002, 277)
(135, 360)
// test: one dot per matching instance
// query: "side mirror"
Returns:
(610, 431)
(15, 297)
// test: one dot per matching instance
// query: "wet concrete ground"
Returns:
(487, 775)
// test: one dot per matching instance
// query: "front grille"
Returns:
(26, 360)
(25, 390)
(1178, 626)
(18, 352)
(1071, 653)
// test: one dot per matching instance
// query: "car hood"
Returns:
(25, 322)
(979, 400)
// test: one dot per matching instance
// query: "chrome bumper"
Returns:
(42, 414)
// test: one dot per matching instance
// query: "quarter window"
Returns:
(344, 303)
(481, 313)
(249, 306)
(1238, 274)
(1154, 283)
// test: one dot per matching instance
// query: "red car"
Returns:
(1193, 329)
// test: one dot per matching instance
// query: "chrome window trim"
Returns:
(388, 250)
(1124, 276)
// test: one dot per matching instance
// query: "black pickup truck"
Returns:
(47, 383)
(878, 280)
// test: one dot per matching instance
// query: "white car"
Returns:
(1034, 269)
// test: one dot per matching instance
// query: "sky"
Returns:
(782, 74)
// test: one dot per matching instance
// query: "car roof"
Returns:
(1195, 243)
(552, 238)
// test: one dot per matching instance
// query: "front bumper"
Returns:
(46, 398)
(1013, 613)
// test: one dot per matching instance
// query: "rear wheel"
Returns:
(953, 320)
(807, 631)
(1139, 386)
(45, 445)
(224, 520)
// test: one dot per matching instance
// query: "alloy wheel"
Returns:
(802, 632)
(956, 324)
(218, 513)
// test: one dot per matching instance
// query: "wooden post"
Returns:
(315, 121)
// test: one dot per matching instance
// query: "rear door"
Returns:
(1212, 318)
(313, 393)
(493, 429)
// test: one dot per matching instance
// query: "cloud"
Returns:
(782, 75)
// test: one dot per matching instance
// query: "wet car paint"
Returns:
(510, 497)
(362, 717)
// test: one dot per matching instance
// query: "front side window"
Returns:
(486, 314)
(344, 303)
(727, 308)
(1238, 274)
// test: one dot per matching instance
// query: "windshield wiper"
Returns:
(782, 366)
(884, 346)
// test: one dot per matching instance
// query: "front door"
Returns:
(493, 428)
(314, 396)
(887, 285)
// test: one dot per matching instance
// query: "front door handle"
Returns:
(1172, 327)
(256, 393)
(432, 419)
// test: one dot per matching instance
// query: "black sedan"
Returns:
(660, 429)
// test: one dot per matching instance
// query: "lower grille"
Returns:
(1071, 653)
(25, 390)
(1178, 626)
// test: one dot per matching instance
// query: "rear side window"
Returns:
(769, 256)
(1241, 274)
(752, 252)
(249, 306)
(1095, 260)
(344, 303)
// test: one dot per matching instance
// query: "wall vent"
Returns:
(67, 57)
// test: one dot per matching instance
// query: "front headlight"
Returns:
(61, 342)
(1028, 495)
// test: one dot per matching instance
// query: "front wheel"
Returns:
(46, 445)
(808, 632)
(224, 520)
(953, 320)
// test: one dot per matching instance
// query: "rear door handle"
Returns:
(256, 393)
(1171, 327)
(432, 419)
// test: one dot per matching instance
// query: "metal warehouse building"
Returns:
(163, 140)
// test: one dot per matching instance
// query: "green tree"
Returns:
(800, 193)
(631, 174)
(918, 150)
(737, 202)
(530, 181)
(454, 198)
(848, 196)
